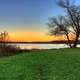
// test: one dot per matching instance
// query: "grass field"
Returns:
(62, 64)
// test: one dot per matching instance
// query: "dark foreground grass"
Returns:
(62, 64)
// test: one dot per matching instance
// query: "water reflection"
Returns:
(42, 46)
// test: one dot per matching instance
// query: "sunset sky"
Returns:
(25, 20)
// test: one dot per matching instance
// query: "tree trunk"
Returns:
(76, 41)
(69, 43)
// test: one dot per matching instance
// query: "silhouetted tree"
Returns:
(59, 26)
(68, 24)
(4, 37)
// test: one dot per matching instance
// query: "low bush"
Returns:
(8, 50)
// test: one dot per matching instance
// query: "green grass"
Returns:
(62, 64)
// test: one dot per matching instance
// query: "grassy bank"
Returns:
(63, 64)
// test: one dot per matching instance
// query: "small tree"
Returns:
(68, 24)
(4, 38)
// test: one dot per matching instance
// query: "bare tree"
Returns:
(70, 23)
(4, 38)
(59, 26)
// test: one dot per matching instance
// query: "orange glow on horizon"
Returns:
(33, 37)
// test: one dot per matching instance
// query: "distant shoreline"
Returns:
(49, 42)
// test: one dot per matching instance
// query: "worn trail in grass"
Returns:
(62, 64)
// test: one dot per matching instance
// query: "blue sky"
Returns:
(27, 15)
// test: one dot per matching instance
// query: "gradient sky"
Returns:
(25, 20)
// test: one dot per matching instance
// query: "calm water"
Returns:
(42, 46)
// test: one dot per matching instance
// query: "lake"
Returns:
(41, 46)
